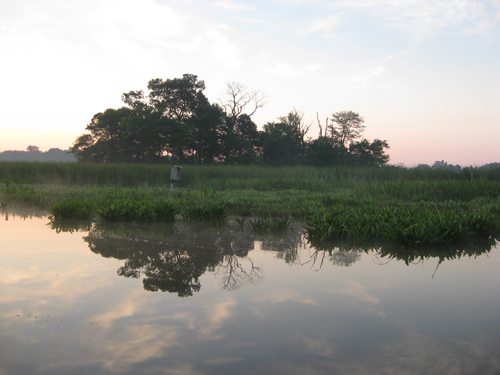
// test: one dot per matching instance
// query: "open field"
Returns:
(405, 207)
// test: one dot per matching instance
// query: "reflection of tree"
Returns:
(344, 258)
(168, 264)
(173, 261)
(235, 273)
(286, 245)
(344, 253)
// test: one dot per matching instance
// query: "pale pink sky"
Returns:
(423, 74)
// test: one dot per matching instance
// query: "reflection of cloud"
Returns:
(68, 286)
(10, 277)
(427, 354)
(359, 292)
(319, 346)
(217, 315)
(285, 295)
(135, 345)
(125, 309)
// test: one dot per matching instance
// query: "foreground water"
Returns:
(194, 300)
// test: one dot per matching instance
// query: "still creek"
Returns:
(193, 299)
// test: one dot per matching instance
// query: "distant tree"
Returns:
(444, 165)
(33, 149)
(346, 127)
(369, 154)
(33, 153)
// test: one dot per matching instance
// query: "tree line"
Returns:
(33, 153)
(175, 122)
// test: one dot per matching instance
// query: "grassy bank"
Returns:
(405, 207)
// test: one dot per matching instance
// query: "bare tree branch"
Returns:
(237, 98)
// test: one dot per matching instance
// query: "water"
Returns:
(194, 300)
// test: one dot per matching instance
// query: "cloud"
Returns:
(324, 25)
(364, 78)
(230, 5)
(423, 18)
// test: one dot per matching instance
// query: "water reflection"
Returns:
(172, 258)
(314, 310)
(173, 262)
(340, 250)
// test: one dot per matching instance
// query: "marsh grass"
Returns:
(214, 213)
(272, 224)
(406, 227)
(223, 177)
(409, 207)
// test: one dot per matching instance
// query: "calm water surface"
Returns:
(128, 299)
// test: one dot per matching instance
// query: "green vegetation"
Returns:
(385, 205)
(174, 121)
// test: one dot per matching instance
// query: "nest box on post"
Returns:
(175, 175)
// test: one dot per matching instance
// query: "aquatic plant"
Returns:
(214, 213)
(401, 226)
(72, 209)
(272, 224)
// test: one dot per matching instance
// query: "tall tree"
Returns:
(238, 99)
(346, 127)
(239, 104)
(295, 118)
(207, 127)
(177, 98)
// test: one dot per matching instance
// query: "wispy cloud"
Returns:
(423, 18)
(230, 5)
(323, 25)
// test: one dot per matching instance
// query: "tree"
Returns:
(237, 98)
(346, 127)
(281, 144)
(207, 127)
(235, 101)
(325, 151)
(105, 141)
(295, 118)
(369, 154)
(177, 98)
(149, 127)
(31, 148)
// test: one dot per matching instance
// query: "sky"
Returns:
(424, 74)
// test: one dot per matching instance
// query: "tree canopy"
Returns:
(174, 121)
